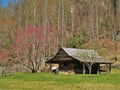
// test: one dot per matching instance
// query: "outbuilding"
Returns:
(79, 61)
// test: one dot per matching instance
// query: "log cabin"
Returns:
(79, 61)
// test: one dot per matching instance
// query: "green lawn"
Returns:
(48, 81)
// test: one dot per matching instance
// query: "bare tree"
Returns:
(116, 26)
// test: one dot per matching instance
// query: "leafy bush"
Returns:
(75, 42)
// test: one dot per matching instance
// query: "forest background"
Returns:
(31, 31)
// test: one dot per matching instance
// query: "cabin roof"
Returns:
(82, 55)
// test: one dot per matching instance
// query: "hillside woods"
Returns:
(31, 31)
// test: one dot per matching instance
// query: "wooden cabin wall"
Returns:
(77, 68)
(71, 67)
(95, 68)
(66, 68)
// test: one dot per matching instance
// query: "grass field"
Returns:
(48, 81)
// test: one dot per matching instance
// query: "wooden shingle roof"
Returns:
(81, 55)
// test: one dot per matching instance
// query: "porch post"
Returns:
(98, 69)
(109, 67)
(90, 69)
(50, 66)
(83, 68)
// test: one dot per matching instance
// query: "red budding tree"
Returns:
(31, 46)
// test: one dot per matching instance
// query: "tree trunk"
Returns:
(34, 71)
(90, 69)
(62, 36)
(115, 27)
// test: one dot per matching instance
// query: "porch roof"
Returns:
(82, 55)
